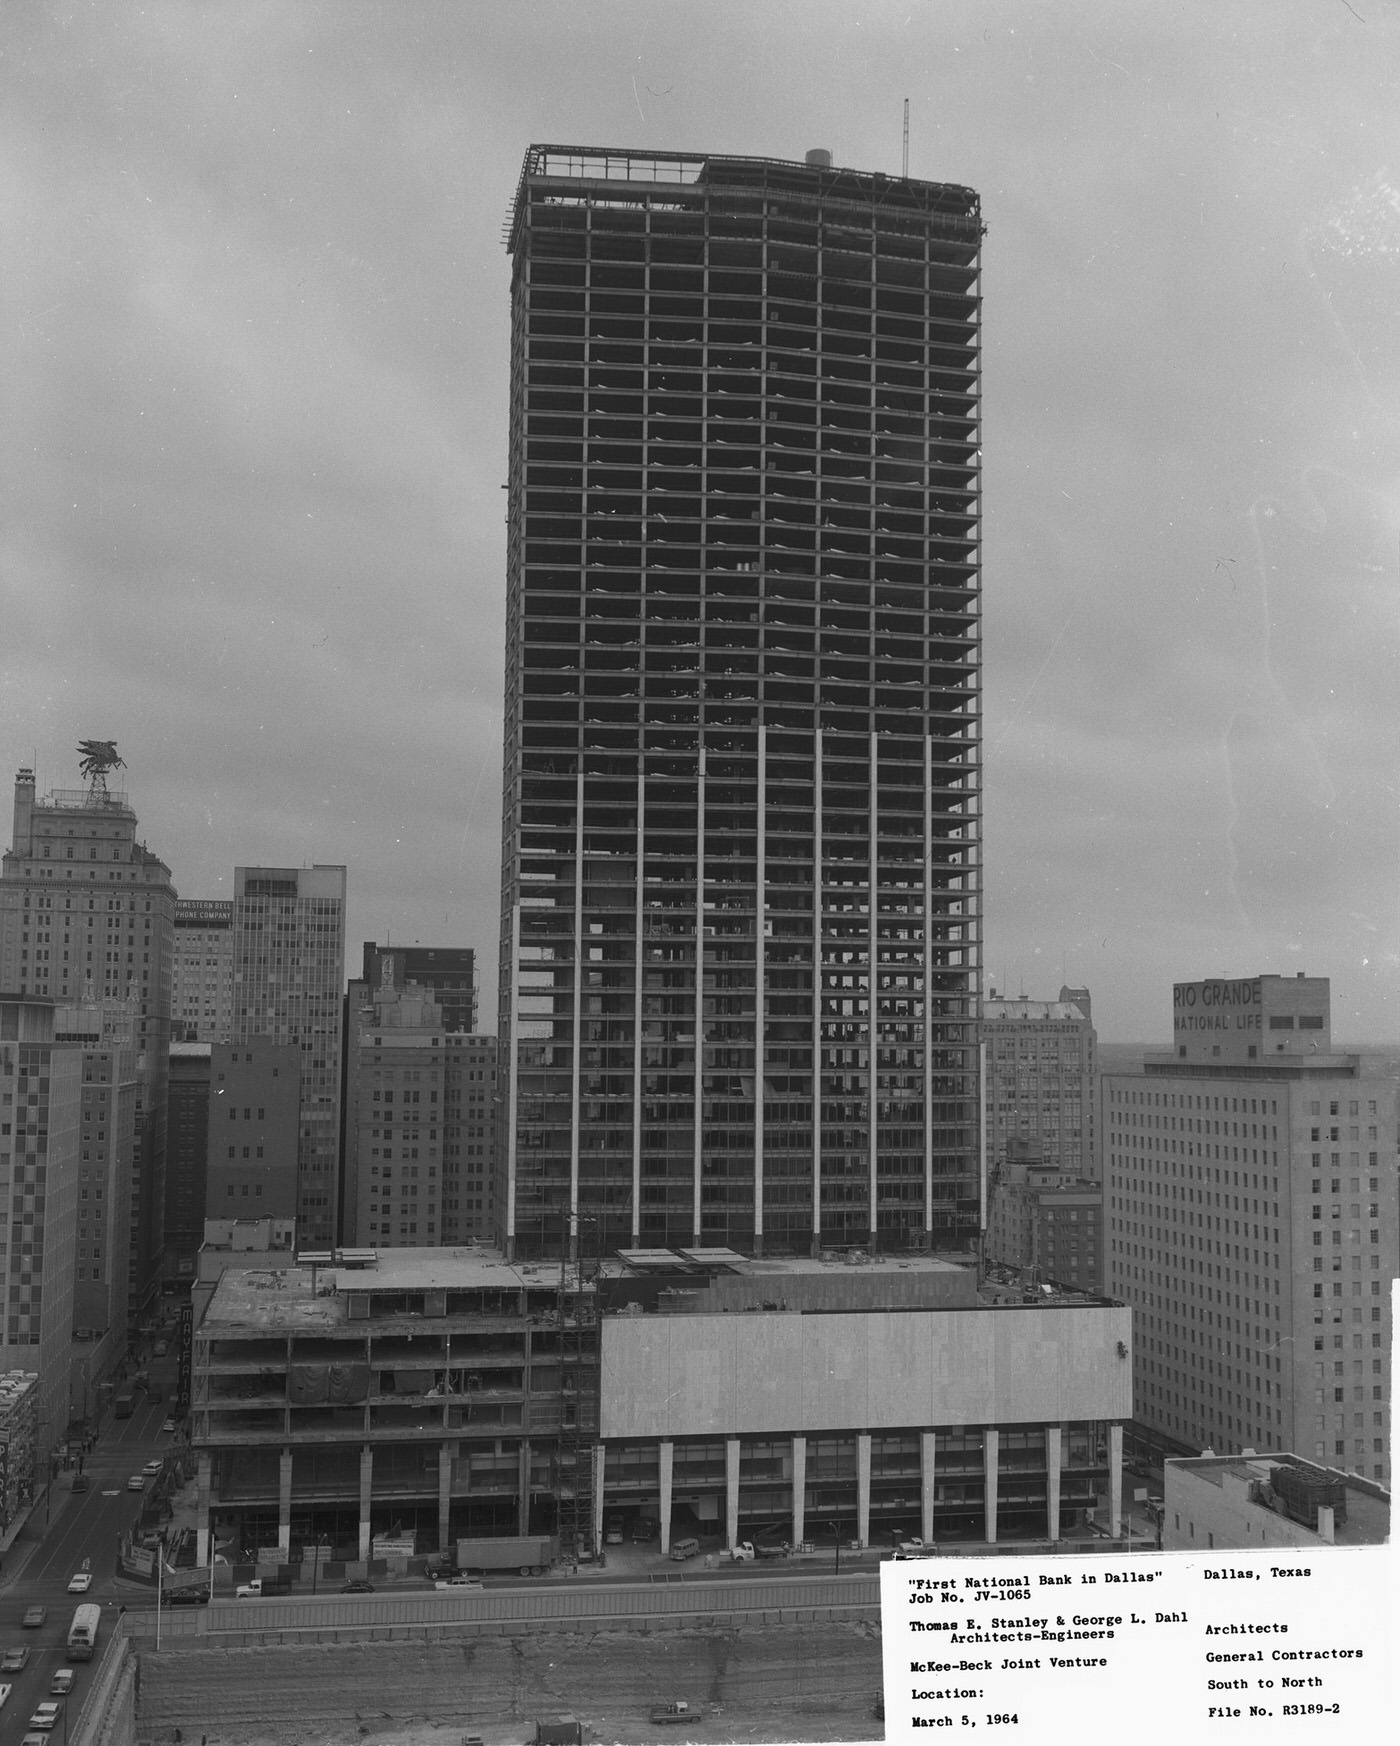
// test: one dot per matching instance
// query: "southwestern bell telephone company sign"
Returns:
(1218, 1006)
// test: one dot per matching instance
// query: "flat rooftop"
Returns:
(307, 1295)
(1368, 1507)
(684, 1262)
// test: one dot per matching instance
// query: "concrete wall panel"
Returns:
(771, 1372)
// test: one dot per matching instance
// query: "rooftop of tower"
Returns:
(597, 175)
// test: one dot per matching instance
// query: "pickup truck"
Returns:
(743, 1553)
(676, 1712)
(913, 1547)
(259, 1587)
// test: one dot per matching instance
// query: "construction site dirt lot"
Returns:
(810, 1682)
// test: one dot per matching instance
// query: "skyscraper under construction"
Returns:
(741, 882)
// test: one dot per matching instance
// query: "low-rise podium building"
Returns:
(448, 1393)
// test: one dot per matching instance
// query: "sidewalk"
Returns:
(24, 1536)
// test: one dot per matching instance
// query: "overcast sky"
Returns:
(255, 319)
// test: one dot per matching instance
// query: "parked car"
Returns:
(14, 1661)
(34, 1617)
(81, 1482)
(682, 1549)
(185, 1597)
(137, 1482)
(357, 1586)
(80, 1582)
(45, 1717)
(62, 1682)
(5, 1691)
(645, 1528)
(612, 1532)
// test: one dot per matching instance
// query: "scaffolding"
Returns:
(577, 1314)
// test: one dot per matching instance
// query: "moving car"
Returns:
(167, 1427)
(45, 1717)
(161, 1348)
(5, 1691)
(357, 1586)
(81, 1482)
(676, 1712)
(80, 1583)
(458, 1582)
(137, 1482)
(152, 1468)
(14, 1661)
(34, 1617)
(185, 1597)
(62, 1682)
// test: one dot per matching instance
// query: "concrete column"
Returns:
(863, 1478)
(991, 1443)
(445, 1454)
(1052, 1481)
(665, 1451)
(600, 1462)
(366, 1492)
(799, 1490)
(928, 1446)
(202, 1540)
(1115, 1480)
(731, 1491)
(284, 1505)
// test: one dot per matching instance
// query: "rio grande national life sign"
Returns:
(1217, 1006)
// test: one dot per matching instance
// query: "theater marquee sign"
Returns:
(1218, 1006)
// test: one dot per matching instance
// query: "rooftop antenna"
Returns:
(906, 139)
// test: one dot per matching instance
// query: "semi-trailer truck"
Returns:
(527, 1553)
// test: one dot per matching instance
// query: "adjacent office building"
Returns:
(741, 879)
(419, 1121)
(202, 1000)
(256, 1130)
(187, 1173)
(1046, 1227)
(448, 973)
(1251, 1214)
(41, 1103)
(87, 912)
(288, 988)
(104, 1034)
(1040, 1082)
(468, 1208)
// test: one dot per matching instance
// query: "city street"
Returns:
(82, 1534)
